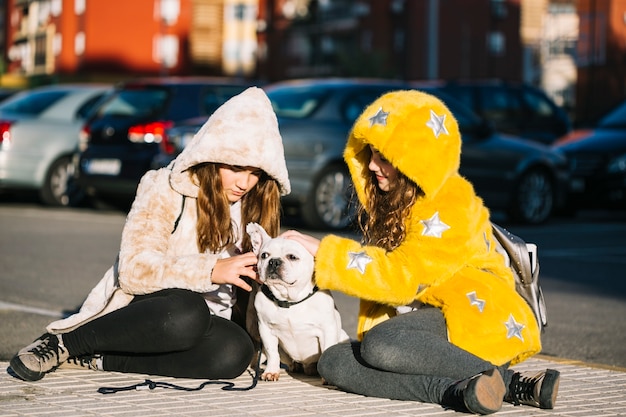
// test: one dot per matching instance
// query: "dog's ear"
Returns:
(258, 235)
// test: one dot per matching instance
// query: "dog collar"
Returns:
(282, 303)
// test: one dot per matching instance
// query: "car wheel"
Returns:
(59, 187)
(329, 205)
(534, 197)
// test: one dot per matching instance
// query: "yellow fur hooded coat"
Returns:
(159, 242)
(448, 258)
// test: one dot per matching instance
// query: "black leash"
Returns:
(149, 384)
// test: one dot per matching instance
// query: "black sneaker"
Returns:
(538, 389)
(40, 357)
(480, 394)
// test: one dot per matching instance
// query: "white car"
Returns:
(39, 130)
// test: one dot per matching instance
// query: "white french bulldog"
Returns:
(297, 322)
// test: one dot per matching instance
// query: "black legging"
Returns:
(170, 332)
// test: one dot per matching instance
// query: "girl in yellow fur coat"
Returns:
(440, 320)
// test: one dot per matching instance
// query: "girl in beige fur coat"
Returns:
(168, 304)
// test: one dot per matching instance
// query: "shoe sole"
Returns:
(485, 394)
(23, 372)
(549, 389)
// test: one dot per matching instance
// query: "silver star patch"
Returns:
(433, 226)
(513, 328)
(475, 301)
(380, 118)
(436, 123)
(358, 260)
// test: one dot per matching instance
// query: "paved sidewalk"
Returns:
(585, 391)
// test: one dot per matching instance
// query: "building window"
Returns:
(165, 50)
(79, 43)
(40, 51)
(57, 44)
(56, 7)
(496, 43)
(498, 9)
(167, 11)
(79, 6)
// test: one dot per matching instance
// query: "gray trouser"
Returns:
(407, 357)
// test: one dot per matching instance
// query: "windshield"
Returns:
(31, 103)
(297, 102)
(615, 119)
(139, 102)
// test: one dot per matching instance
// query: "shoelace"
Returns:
(524, 388)
(48, 347)
(84, 361)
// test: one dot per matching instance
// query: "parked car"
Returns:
(39, 131)
(122, 137)
(8, 92)
(524, 178)
(513, 107)
(597, 162)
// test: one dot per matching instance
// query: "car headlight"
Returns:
(617, 165)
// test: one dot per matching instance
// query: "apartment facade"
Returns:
(269, 39)
(95, 39)
(573, 49)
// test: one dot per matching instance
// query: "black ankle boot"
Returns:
(538, 389)
(480, 394)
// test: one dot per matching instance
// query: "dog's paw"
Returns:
(270, 376)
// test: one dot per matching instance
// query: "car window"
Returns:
(462, 94)
(615, 119)
(537, 104)
(136, 102)
(214, 96)
(297, 103)
(502, 107)
(32, 103)
(355, 103)
(88, 106)
(540, 117)
(467, 120)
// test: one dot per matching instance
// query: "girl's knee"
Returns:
(187, 317)
(333, 359)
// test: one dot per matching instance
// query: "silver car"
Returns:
(39, 131)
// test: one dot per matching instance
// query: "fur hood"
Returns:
(244, 132)
(412, 130)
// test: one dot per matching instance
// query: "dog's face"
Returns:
(284, 265)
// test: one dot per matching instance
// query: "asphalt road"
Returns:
(51, 258)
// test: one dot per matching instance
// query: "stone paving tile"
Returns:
(585, 391)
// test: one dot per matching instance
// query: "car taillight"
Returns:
(83, 138)
(167, 146)
(5, 132)
(150, 132)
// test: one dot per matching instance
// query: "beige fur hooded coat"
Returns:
(159, 242)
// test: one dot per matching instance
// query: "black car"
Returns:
(120, 140)
(597, 161)
(513, 107)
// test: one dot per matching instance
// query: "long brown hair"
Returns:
(383, 217)
(215, 231)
